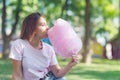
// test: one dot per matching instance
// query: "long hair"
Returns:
(29, 25)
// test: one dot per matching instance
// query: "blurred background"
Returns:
(96, 22)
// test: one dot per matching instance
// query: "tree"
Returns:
(65, 6)
(6, 38)
(86, 44)
(103, 14)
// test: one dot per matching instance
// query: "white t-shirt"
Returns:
(35, 62)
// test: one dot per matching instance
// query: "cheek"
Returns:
(41, 32)
(44, 29)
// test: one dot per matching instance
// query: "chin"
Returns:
(46, 36)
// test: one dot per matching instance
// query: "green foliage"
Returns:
(103, 13)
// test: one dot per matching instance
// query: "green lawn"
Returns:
(100, 69)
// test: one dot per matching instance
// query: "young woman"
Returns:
(33, 59)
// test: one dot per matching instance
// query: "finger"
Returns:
(74, 56)
(76, 60)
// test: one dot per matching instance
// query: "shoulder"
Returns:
(18, 42)
(17, 48)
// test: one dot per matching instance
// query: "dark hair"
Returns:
(29, 25)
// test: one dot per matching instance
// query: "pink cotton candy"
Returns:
(64, 39)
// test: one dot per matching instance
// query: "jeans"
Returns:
(50, 76)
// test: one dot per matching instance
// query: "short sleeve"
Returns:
(53, 58)
(16, 51)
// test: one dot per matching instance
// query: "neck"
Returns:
(36, 42)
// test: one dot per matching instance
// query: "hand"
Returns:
(74, 60)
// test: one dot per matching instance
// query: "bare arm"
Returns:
(60, 72)
(17, 70)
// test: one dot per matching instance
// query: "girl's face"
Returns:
(42, 28)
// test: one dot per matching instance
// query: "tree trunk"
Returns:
(64, 7)
(87, 52)
(6, 47)
(7, 38)
(119, 29)
(3, 29)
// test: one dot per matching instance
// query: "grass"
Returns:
(5, 69)
(100, 69)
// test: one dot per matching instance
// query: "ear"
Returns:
(34, 33)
